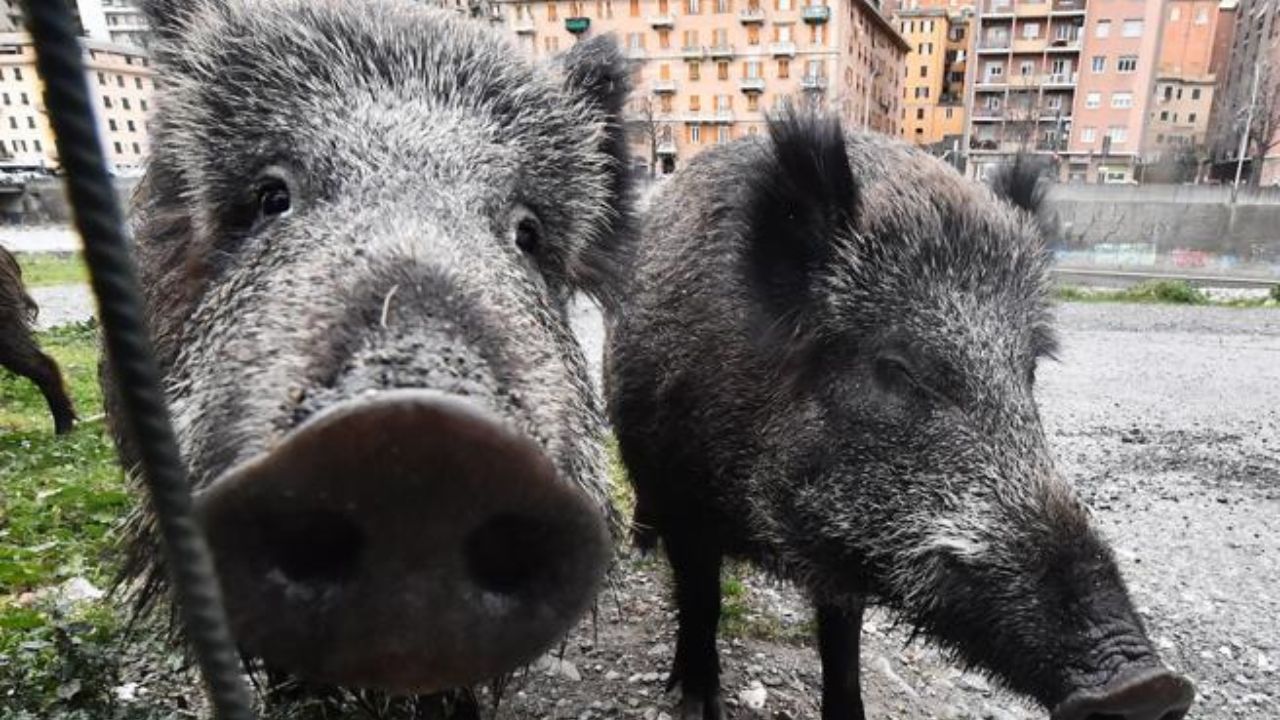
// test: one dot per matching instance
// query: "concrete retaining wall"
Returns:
(43, 201)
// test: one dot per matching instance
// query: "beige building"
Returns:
(121, 81)
(707, 71)
(1254, 52)
(933, 96)
(1023, 77)
(1183, 93)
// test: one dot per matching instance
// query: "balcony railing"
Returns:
(997, 8)
(780, 49)
(751, 15)
(666, 147)
(523, 26)
(815, 13)
(693, 52)
(724, 115)
(1061, 78)
(665, 20)
(998, 42)
(664, 87)
(986, 113)
(993, 81)
(1068, 6)
(813, 82)
(636, 53)
(751, 84)
(721, 51)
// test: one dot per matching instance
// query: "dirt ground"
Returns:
(1168, 420)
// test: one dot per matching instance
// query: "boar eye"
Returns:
(894, 374)
(528, 234)
(274, 199)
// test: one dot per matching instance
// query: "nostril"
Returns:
(315, 547)
(508, 553)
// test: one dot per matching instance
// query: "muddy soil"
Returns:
(1167, 419)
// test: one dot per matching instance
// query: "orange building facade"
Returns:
(708, 71)
(933, 112)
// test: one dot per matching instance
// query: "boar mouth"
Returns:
(407, 541)
(1151, 694)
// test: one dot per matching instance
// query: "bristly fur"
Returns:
(418, 133)
(14, 300)
(801, 196)
(1022, 182)
(892, 449)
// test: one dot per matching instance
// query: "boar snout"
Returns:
(408, 540)
(1152, 694)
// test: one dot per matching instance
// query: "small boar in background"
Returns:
(19, 352)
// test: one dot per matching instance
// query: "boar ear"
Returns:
(801, 199)
(1021, 182)
(169, 18)
(596, 72)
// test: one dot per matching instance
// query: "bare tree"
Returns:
(645, 124)
(1022, 119)
(1264, 131)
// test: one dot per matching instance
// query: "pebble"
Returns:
(755, 696)
(612, 675)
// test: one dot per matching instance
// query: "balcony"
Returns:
(523, 26)
(996, 44)
(1061, 79)
(635, 53)
(666, 148)
(666, 20)
(751, 84)
(723, 115)
(1029, 45)
(664, 87)
(1067, 44)
(992, 82)
(751, 16)
(997, 8)
(721, 52)
(815, 14)
(1068, 7)
(986, 114)
(577, 25)
(813, 82)
(782, 49)
(693, 52)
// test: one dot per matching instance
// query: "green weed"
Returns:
(41, 269)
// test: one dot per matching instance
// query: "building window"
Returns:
(753, 102)
(1093, 100)
(695, 133)
(17, 73)
(102, 78)
(1119, 134)
(106, 101)
(1164, 116)
(1031, 30)
(137, 82)
(119, 149)
(119, 81)
(143, 103)
(1175, 14)
(552, 11)
(724, 6)
(695, 71)
(1132, 29)
(1191, 117)
(1026, 68)
(1104, 29)
(132, 127)
(13, 122)
(112, 124)
(924, 71)
(784, 70)
(692, 7)
(635, 8)
(665, 103)
(753, 35)
(6, 99)
(124, 103)
(1195, 93)
(695, 103)
(723, 133)
(919, 113)
(1127, 63)
(137, 150)
(1121, 100)
(37, 146)
(25, 99)
(1087, 134)
(1202, 16)
(664, 39)
(1099, 63)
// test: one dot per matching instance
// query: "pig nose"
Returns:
(1154, 694)
(408, 541)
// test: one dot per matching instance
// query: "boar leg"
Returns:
(839, 632)
(19, 353)
(695, 562)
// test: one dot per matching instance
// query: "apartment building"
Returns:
(707, 71)
(121, 82)
(1254, 53)
(1185, 80)
(1023, 79)
(933, 95)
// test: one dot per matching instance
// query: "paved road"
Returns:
(53, 238)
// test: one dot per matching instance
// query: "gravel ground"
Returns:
(1168, 420)
(52, 238)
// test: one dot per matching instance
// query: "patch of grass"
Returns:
(1172, 292)
(42, 269)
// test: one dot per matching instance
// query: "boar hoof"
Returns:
(697, 706)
